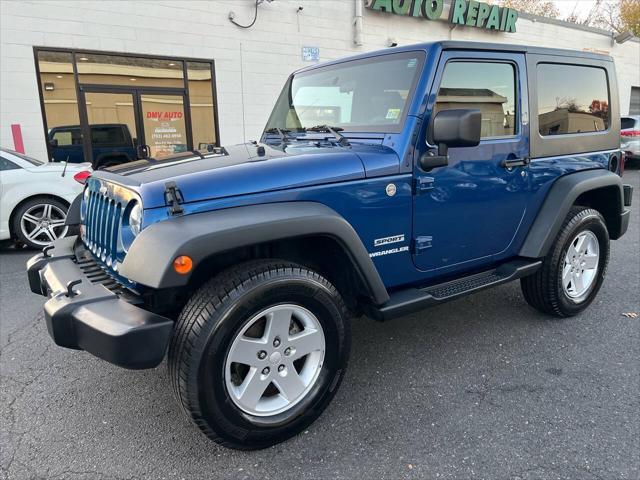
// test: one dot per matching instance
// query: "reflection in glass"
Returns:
(129, 71)
(60, 99)
(566, 106)
(489, 87)
(201, 102)
(113, 127)
(364, 95)
(164, 124)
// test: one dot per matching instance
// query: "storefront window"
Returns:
(109, 109)
(201, 100)
(59, 98)
(130, 71)
(164, 124)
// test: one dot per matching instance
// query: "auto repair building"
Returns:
(178, 75)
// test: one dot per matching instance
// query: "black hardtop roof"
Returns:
(93, 125)
(466, 45)
(508, 47)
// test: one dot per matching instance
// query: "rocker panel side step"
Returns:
(410, 300)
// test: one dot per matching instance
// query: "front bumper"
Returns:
(81, 314)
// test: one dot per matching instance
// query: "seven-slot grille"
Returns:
(102, 223)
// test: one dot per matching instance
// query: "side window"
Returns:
(63, 138)
(487, 86)
(67, 138)
(7, 165)
(111, 135)
(572, 99)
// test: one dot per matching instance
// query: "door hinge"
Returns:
(173, 198)
(420, 244)
(422, 184)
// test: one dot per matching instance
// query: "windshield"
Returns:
(368, 95)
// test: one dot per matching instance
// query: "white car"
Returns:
(630, 136)
(35, 197)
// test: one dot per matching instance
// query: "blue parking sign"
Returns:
(310, 54)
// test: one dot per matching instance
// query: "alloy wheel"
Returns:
(43, 223)
(275, 360)
(581, 265)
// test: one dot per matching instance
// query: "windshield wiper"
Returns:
(342, 140)
(281, 132)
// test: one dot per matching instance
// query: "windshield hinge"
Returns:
(173, 198)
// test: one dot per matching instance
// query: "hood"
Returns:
(243, 169)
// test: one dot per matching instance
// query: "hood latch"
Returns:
(173, 198)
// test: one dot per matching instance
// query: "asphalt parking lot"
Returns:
(483, 388)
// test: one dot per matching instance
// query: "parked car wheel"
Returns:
(572, 273)
(259, 352)
(39, 221)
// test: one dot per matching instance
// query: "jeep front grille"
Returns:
(102, 222)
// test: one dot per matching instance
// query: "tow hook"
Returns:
(70, 291)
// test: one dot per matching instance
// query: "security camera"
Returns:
(392, 42)
(623, 37)
(300, 8)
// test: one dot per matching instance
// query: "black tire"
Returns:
(211, 320)
(544, 290)
(41, 240)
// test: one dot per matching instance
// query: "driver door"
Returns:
(467, 214)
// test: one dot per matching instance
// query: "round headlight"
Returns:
(135, 219)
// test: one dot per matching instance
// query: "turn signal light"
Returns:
(183, 264)
(81, 177)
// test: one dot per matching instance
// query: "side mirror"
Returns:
(457, 128)
(142, 151)
(53, 142)
(452, 129)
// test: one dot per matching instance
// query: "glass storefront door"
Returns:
(112, 133)
(123, 125)
(163, 117)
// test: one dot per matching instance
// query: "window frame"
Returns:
(517, 131)
(537, 114)
(84, 122)
(421, 57)
(572, 143)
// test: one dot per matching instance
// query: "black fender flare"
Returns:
(561, 197)
(149, 260)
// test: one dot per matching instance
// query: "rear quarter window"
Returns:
(626, 122)
(572, 99)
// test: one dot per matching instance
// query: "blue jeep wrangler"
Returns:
(111, 144)
(382, 184)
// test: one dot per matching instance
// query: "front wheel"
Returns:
(572, 273)
(259, 352)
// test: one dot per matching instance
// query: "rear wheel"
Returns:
(259, 352)
(40, 221)
(572, 273)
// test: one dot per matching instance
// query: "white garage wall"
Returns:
(269, 51)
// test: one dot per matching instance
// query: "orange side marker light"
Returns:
(183, 264)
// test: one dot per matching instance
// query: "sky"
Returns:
(582, 7)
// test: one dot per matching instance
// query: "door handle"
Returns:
(515, 162)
